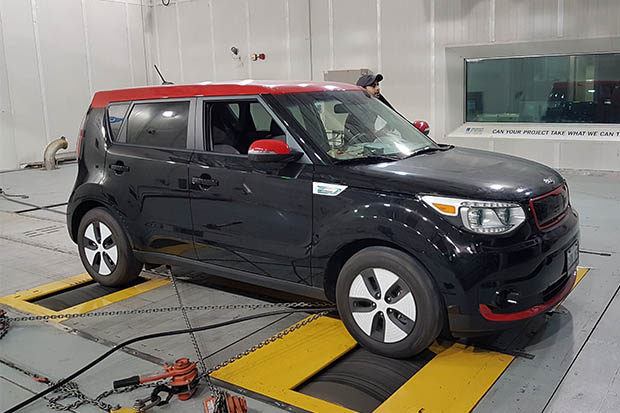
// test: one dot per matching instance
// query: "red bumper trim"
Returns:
(488, 314)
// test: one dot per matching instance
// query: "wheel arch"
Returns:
(88, 205)
(345, 252)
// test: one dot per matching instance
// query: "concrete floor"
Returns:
(576, 360)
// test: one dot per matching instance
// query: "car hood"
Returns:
(462, 172)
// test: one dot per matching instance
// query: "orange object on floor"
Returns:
(234, 404)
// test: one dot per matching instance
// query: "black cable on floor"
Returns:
(28, 204)
(581, 349)
(158, 335)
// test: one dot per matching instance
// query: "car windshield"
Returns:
(353, 125)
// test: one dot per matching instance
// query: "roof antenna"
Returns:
(163, 81)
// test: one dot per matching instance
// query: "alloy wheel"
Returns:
(100, 248)
(382, 305)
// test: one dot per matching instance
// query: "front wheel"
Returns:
(388, 302)
(105, 250)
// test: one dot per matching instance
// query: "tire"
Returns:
(389, 303)
(105, 250)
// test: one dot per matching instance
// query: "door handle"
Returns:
(119, 167)
(204, 183)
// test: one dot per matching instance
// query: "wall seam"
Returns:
(432, 66)
(37, 45)
(560, 18)
(146, 46)
(310, 40)
(129, 49)
(156, 32)
(179, 42)
(287, 18)
(86, 48)
(332, 56)
(248, 31)
(10, 94)
(379, 39)
(492, 21)
(212, 28)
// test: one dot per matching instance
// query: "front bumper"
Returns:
(521, 283)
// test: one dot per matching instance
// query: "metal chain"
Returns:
(214, 391)
(268, 341)
(5, 323)
(221, 307)
(72, 391)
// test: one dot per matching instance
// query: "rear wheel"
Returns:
(105, 250)
(388, 302)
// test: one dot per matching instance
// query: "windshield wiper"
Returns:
(373, 158)
(428, 149)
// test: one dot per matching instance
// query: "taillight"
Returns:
(80, 136)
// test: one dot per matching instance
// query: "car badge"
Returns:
(549, 181)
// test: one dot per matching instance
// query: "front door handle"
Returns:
(119, 167)
(204, 182)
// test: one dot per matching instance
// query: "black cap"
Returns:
(368, 80)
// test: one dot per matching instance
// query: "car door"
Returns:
(146, 172)
(245, 218)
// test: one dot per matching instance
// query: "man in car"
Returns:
(371, 84)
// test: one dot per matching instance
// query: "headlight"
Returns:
(482, 217)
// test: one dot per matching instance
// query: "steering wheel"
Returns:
(358, 137)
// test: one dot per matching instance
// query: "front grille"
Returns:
(550, 207)
(555, 288)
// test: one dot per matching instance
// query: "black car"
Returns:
(320, 189)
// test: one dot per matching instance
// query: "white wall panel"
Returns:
(462, 21)
(137, 43)
(526, 19)
(320, 34)
(168, 57)
(8, 152)
(299, 22)
(591, 18)
(355, 34)
(65, 73)
(269, 34)
(196, 40)
(108, 44)
(405, 52)
(230, 29)
(24, 82)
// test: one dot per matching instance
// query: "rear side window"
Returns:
(160, 124)
(116, 116)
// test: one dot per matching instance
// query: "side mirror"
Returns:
(272, 151)
(422, 126)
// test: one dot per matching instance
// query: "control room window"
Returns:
(547, 89)
(116, 116)
(159, 124)
(234, 126)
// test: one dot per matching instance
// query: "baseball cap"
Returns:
(368, 80)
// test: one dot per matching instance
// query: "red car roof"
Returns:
(245, 87)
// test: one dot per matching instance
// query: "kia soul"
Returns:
(320, 189)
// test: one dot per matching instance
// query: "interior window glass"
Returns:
(233, 133)
(161, 124)
(116, 115)
(547, 89)
(353, 125)
(260, 116)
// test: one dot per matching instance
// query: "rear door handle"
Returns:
(204, 182)
(119, 167)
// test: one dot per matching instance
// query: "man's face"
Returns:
(374, 89)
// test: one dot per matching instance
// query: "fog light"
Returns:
(506, 298)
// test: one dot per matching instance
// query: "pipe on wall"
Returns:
(49, 156)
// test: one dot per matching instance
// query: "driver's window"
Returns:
(234, 126)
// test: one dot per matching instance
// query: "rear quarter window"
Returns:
(159, 124)
(116, 116)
